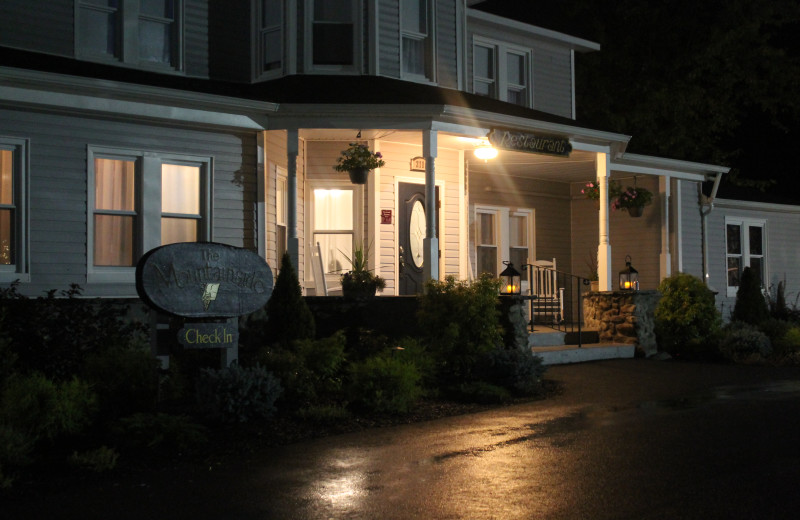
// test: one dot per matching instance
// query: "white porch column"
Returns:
(603, 171)
(292, 243)
(430, 269)
(664, 197)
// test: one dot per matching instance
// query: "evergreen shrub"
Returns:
(742, 341)
(125, 379)
(460, 323)
(288, 315)
(237, 394)
(751, 305)
(384, 384)
(686, 318)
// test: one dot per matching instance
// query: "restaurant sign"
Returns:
(532, 143)
(203, 280)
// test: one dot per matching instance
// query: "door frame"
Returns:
(420, 180)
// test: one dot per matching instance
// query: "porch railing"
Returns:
(556, 299)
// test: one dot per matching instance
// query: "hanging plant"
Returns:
(358, 160)
(592, 190)
(633, 199)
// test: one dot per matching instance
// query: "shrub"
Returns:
(412, 350)
(482, 392)
(53, 334)
(743, 342)
(774, 328)
(324, 414)
(751, 305)
(125, 380)
(160, 433)
(515, 369)
(461, 323)
(15, 452)
(788, 345)
(288, 315)
(384, 384)
(97, 461)
(686, 317)
(236, 394)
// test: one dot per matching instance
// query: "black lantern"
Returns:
(510, 280)
(628, 277)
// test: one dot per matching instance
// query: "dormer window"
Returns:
(417, 45)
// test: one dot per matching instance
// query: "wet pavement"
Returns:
(626, 439)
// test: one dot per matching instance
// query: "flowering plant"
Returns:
(592, 190)
(633, 197)
(358, 156)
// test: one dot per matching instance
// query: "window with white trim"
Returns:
(519, 240)
(501, 71)
(745, 246)
(417, 42)
(13, 214)
(333, 214)
(486, 242)
(280, 212)
(139, 201)
(503, 234)
(270, 37)
(332, 38)
(134, 32)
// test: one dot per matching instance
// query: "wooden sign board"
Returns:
(532, 143)
(417, 164)
(203, 280)
(209, 335)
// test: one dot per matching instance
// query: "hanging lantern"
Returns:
(628, 277)
(510, 280)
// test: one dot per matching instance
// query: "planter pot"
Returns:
(358, 175)
(356, 291)
(594, 286)
(635, 211)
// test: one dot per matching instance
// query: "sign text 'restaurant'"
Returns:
(532, 143)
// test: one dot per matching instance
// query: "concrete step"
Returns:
(544, 339)
(566, 354)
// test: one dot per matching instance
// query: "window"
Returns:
(417, 49)
(745, 247)
(333, 34)
(501, 72)
(133, 32)
(334, 227)
(271, 36)
(503, 235)
(280, 212)
(486, 241)
(141, 201)
(13, 215)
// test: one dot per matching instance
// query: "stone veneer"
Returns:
(623, 317)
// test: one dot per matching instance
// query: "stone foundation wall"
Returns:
(623, 317)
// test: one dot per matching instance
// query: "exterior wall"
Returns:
(782, 247)
(446, 48)
(389, 38)
(39, 25)
(58, 194)
(691, 230)
(196, 38)
(638, 237)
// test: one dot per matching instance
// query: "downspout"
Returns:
(706, 206)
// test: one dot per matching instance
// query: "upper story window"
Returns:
(417, 47)
(140, 201)
(13, 215)
(271, 36)
(134, 32)
(333, 34)
(501, 72)
(745, 247)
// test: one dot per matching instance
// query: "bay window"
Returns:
(271, 36)
(417, 48)
(333, 34)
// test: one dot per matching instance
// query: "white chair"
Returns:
(318, 271)
(544, 285)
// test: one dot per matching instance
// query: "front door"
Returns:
(412, 222)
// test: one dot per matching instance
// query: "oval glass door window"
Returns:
(416, 233)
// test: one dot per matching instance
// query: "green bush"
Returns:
(288, 315)
(742, 341)
(460, 322)
(515, 369)
(384, 384)
(160, 434)
(53, 334)
(125, 380)
(481, 392)
(16, 450)
(323, 414)
(774, 328)
(237, 394)
(412, 350)
(751, 305)
(97, 460)
(787, 345)
(686, 316)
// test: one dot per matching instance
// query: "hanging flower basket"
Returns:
(358, 175)
(634, 200)
(357, 160)
(592, 191)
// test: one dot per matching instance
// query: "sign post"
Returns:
(207, 284)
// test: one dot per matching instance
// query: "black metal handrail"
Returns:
(556, 299)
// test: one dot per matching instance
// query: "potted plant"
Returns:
(360, 282)
(594, 279)
(634, 200)
(592, 190)
(357, 160)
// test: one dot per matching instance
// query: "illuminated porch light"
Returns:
(485, 152)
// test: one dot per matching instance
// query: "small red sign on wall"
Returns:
(386, 216)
